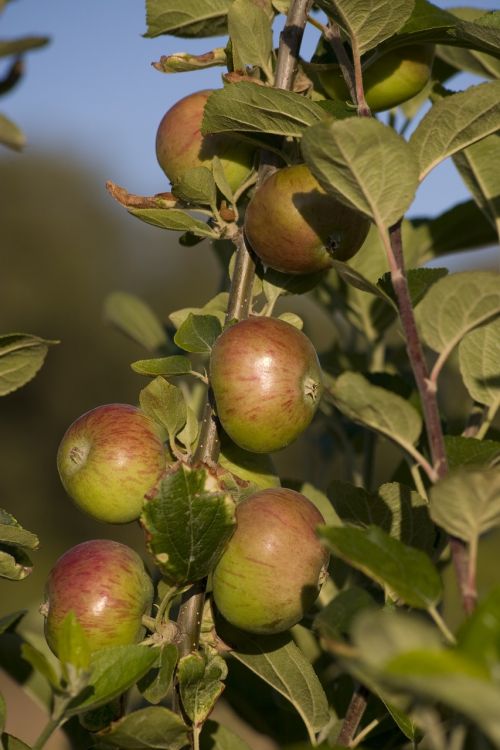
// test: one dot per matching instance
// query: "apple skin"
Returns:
(109, 458)
(180, 144)
(107, 587)
(272, 568)
(394, 78)
(266, 381)
(295, 227)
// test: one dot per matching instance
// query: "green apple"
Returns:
(272, 568)
(266, 381)
(389, 81)
(180, 144)
(107, 587)
(109, 458)
(294, 226)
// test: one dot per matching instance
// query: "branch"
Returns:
(353, 717)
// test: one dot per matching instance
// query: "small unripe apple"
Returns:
(180, 144)
(390, 80)
(271, 571)
(294, 226)
(266, 380)
(107, 587)
(109, 458)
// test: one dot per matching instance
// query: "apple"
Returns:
(266, 380)
(295, 227)
(272, 568)
(107, 587)
(389, 80)
(180, 144)
(109, 458)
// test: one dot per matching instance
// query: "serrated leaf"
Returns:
(455, 305)
(113, 671)
(466, 503)
(279, 662)
(164, 403)
(181, 62)
(251, 35)
(462, 451)
(455, 122)
(404, 572)
(198, 333)
(21, 357)
(344, 156)
(188, 524)
(166, 366)
(248, 107)
(371, 21)
(201, 682)
(377, 409)
(476, 165)
(136, 319)
(154, 727)
(335, 620)
(10, 134)
(11, 532)
(197, 186)
(175, 220)
(479, 358)
(218, 737)
(189, 18)
(155, 685)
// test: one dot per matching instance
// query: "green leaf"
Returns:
(113, 671)
(201, 682)
(275, 284)
(10, 134)
(221, 179)
(335, 620)
(11, 532)
(181, 62)
(136, 319)
(188, 18)
(9, 742)
(467, 450)
(470, 60)
(479, 635)
(476, 165)
(282, 665)
(420, 281)
(14, 563)
(73, 646)
(371, 21)
(21, 356)
(466, 503)
(404, 572)
(11, 620)
(198, 333)
(197, 186)
(175, 220)
(345, 158)
(377, 409)
(248, 107)
(188, 524)
(40, 663)
(155, 685)
(154, 727)
(255, 468)
(455, 305)
(455, 122)
(250, 30)
(166, 366)
(164, 403)
(480, 365)
(216, 306)
(218, 737)
(22, 44)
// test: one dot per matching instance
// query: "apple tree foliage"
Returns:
(374, 663)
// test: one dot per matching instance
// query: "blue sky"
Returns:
(93, 92)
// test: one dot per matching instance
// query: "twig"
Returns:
(353, 716)
(332, 36)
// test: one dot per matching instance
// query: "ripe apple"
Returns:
(109, 458)
(180, 144)
(266, 380)
(107, 587)
(272, 569)
(295, 227)
(390, 80)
